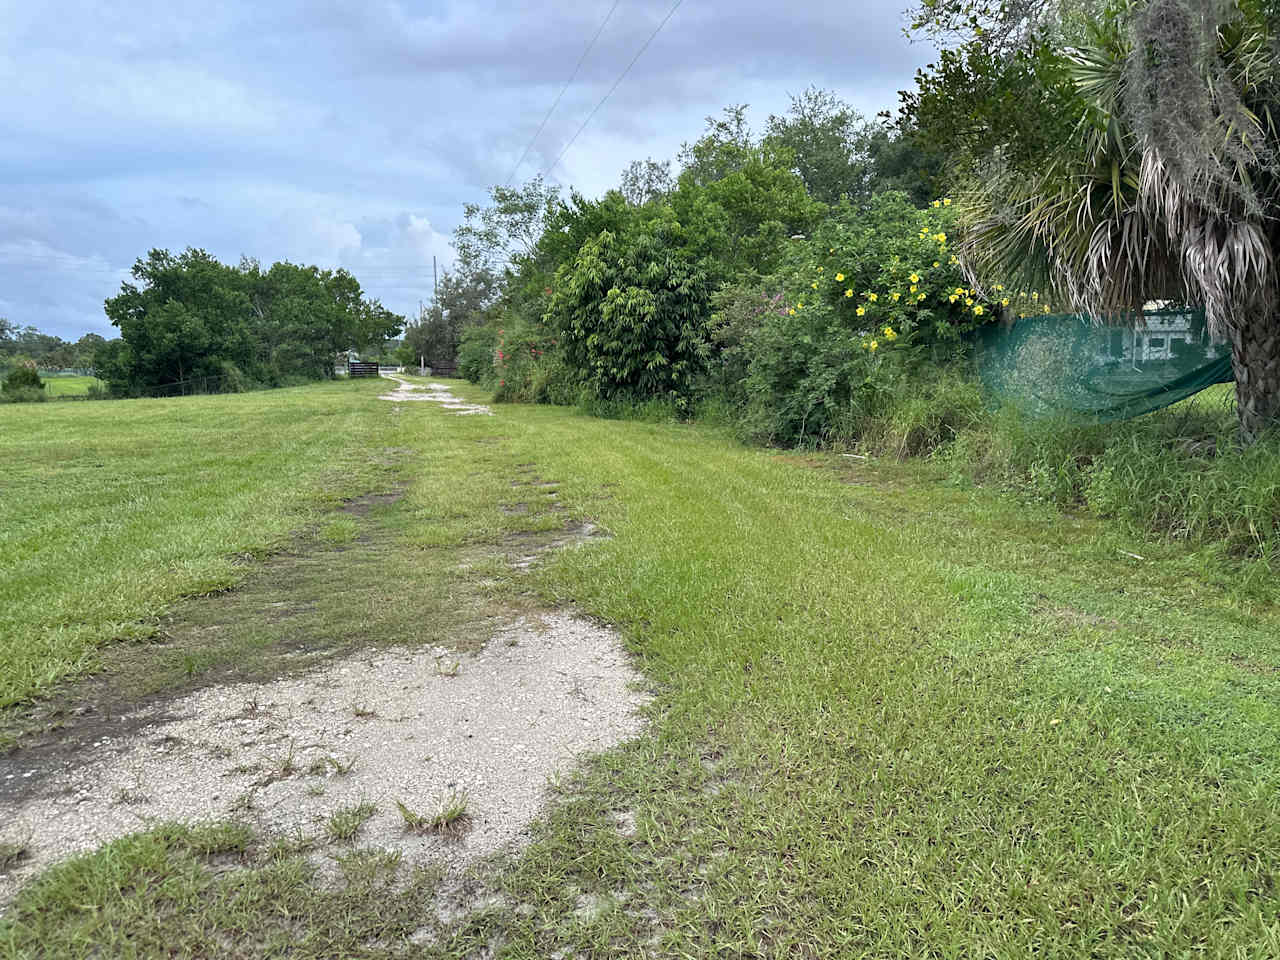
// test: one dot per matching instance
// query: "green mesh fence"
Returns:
(1065, 365)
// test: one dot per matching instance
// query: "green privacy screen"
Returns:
(1066, 365)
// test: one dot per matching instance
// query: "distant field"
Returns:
(69, 386)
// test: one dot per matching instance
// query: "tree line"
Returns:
(22, 345)
(1091, 155)
(187, 317)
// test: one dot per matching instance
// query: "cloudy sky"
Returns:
(351, 133)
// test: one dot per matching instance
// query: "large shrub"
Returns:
(22, 378)
(853, 318)
(631, 313)
(530, 369)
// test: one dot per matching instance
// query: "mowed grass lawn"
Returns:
(896, 718)
(69, 386)
(110, 511)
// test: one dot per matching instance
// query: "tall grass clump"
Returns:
(1179, 473)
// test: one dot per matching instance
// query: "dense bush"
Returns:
(23, 379)
(23, 395)
(631, 314)
(857, 313)
(530, 369)
(477, 351)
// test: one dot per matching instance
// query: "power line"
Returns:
(556, 102)
(616, 84)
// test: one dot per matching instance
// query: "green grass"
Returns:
(896, 717)
(345, 823)
(113, 511)
(69, 386)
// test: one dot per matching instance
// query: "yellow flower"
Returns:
(862, 311)
(831, 249)
(819, 269)
(946, 201)
(977, 311)
(889, 334)
(895, 295)
(839, 278)
(940, 237)
(873, 297)
(1004, 302)
(1035, 295)
(791, 312)
(936, 203)
(937, 263)
(800, 305)
(814, 284)
(968, 301)
(875, 345)
(954, 260)
(914, 288)
(848, 293)
(914, 278)
(953, 298)
(919, 297)
(999, 287)
(1046, 308)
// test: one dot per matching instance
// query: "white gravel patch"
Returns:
(542, 693)
(436, 393)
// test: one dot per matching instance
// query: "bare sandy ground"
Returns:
(417, 727)
(435, 393)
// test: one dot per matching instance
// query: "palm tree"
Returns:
(1167, 189)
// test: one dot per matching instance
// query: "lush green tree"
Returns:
(740, 223)
(903, 161)
(189, 317)
(495, 237)
(646, 181)
(829, 142)
(726, 145)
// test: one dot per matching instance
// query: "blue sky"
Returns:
(350, 134)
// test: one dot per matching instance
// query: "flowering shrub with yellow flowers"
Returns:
(871, 293)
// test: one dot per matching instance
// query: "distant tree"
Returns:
(645, 181)
(726, 146)
(463, 300)
(829, 142)
(901, 160)
(189, 316)
(85, 350)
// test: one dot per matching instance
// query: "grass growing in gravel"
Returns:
(896, 718)
(345, 822)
